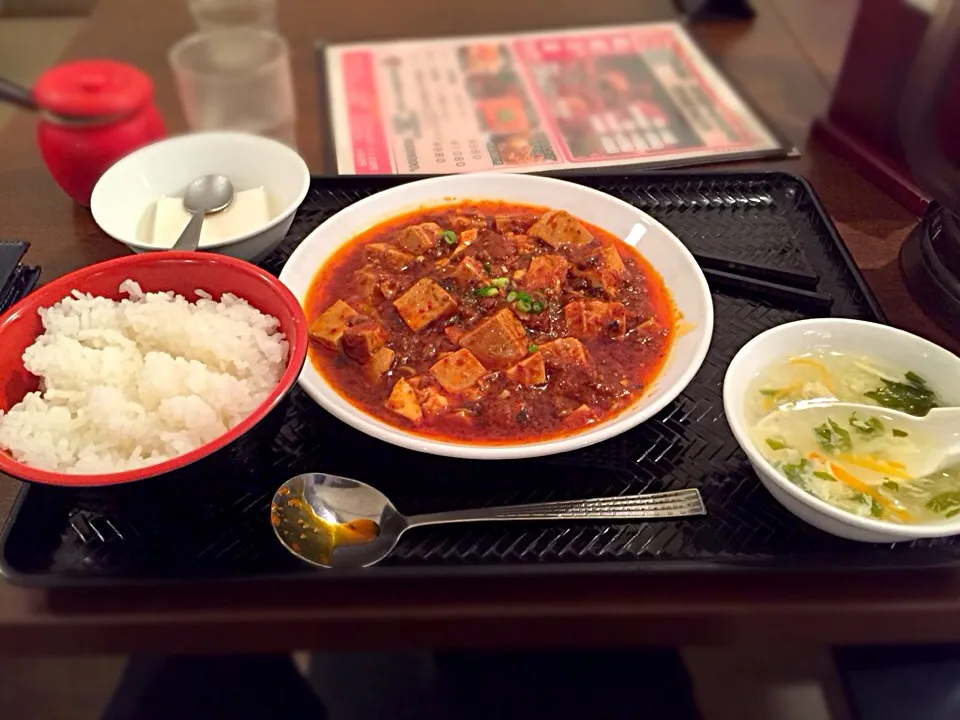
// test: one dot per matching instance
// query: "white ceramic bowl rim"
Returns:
(242, 139)
(450, 186)
(920, 530)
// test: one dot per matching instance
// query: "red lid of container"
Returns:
(93, 87)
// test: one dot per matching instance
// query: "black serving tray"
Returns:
(211, 520)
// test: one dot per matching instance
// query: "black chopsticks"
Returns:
(722, 281)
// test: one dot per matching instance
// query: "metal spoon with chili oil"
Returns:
(335, 522)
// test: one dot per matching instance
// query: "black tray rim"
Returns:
(653, 566)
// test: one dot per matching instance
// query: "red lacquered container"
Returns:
(116, 115)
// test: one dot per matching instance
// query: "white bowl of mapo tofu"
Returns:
(496, 316)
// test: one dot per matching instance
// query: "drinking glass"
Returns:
(210, 15)
(237, 79)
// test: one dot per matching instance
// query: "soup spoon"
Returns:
(937, 434)
(335, 522)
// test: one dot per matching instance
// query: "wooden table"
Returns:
(786, 61)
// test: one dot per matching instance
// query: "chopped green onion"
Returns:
(897, 432)
(523, 306)
(832, 437)
(777, 443)
(449, 237)
(511, 296)
(488, 291)
(952, 513)
(521, 295)
(945, 501)
(876, 509)
(794, 471)
(532, 347)
(891, 484)
(500, 282)
(536, 306)
(824, 475)
(770, 392)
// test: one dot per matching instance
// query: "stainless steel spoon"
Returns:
(335, 522)
(204, 196)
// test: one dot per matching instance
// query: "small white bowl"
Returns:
(122, 200)
(936, 365)
(659, 246)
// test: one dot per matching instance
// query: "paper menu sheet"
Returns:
(597, 97)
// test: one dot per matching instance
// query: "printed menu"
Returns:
(600, 97)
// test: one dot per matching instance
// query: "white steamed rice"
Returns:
(135, 382)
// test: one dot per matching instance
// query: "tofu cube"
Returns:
(453, 333)
(470, 272)
(583, 415)
(417, 239)
(559, 229)
(465, 240)
(423, 303)
(389, 287)
(435, 404)
(362, 340)
(532, 371)
(525, 244)
(602, 268)
(546, 272)
(403, 401)
(431, 399)
(386, 255)
(565, 352)
(378, 364)
(332, 323)
(458, 370)
(462, 223)
(514, 223)
(589, 318)
(497, 342)
(364, 283)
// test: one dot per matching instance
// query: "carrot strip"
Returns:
(880, 466)
(819, 367)
(853, 482)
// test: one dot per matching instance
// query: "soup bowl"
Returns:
(662, 250)
(937, 366)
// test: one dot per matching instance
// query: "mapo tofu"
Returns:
(489, 322)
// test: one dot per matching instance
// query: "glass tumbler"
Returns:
(238, 79)
(210, 15)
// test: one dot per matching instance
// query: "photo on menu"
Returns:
(611, 105)
(631, 95)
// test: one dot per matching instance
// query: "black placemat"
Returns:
(211, 521)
